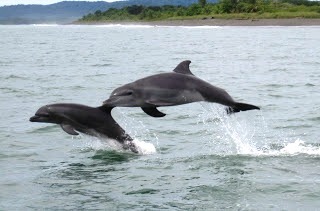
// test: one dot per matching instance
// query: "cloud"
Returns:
(15, 2)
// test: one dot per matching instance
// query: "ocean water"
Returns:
(196, 157)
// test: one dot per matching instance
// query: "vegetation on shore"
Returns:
(224, 9)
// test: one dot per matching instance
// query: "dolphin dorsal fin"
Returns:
(183, 68)
(69, 129)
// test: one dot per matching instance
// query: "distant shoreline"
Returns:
(216, 22)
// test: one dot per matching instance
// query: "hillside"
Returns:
(69, 11)
(224, 9)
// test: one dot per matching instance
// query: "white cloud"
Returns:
(14, 2)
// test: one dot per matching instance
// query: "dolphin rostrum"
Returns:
(89, 120)
(170, 89)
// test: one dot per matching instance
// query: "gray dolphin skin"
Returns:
(170, 89)
(89, 120)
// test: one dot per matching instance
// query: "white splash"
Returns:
(93, 143)
(144, 148)
(101, 144)
(299, 147)
(290, 149)
(242, 134)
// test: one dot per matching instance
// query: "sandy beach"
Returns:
(218, 22)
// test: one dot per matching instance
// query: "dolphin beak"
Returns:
(109, 102)
(34, 118)
(105, 102)
(39, 118)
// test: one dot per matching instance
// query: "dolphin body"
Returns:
(89, 120)
(170, 89)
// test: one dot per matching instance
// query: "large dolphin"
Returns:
(170, 89)
(89, 120)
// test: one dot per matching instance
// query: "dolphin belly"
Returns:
(173, 97)
(186, 96)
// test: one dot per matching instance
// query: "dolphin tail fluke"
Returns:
(130, 146)
(241, 107)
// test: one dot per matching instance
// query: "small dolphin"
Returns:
(89, 120)
(170, 89)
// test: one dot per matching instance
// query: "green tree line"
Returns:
(222, 9)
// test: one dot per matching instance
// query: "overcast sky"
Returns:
(14, 2)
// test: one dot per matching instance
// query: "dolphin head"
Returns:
(124, 96)
(46, 114)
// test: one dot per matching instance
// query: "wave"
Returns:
(45, 25)
(124, 26)
(199, 27)
(153, 26)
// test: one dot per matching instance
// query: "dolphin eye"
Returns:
(124, 93)
(129, 93)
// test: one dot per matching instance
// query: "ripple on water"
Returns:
(143, 191)
(111, 157)
(17, 91)
(310, 85)
(315, 119)
(101, 65)
(12, 76)
(44, 129)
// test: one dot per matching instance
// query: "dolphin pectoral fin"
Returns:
(153, 111)
(183, 68)
(69, 129)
